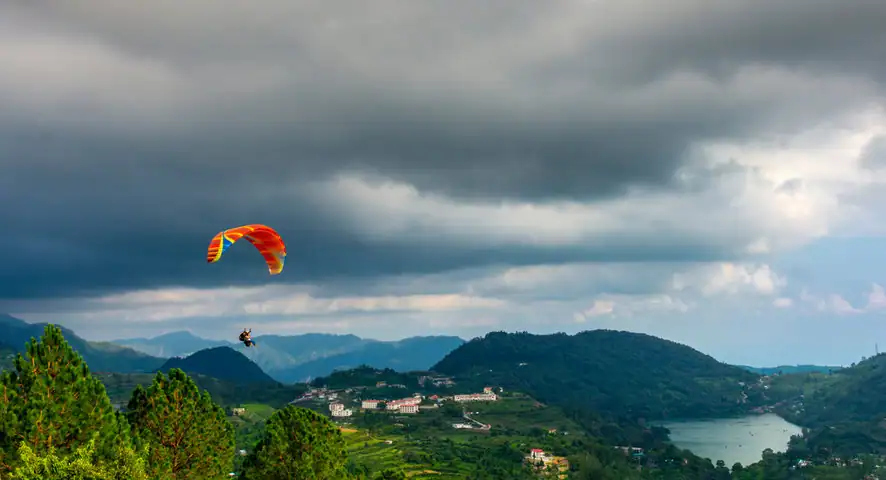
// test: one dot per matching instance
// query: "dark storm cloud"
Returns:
(719, 37)
(157, 126)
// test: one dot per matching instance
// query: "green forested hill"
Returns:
(223, 363)
(101, 356)
(844, 411)
(618, 373)
(857, 393)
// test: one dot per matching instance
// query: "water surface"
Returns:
(733, 439)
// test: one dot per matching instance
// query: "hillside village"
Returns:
(343, 403)
(547, 463)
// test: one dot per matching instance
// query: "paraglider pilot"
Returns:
(246, 337)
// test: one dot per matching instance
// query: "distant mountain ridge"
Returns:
(173, 344)
(410, 354)
(295, 358)
(223, 363)
(100, 356)
(280, 352)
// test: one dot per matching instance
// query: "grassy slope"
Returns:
(224, 363)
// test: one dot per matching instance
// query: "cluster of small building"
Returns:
(413, 404)
(392, 385)
(542, 460)
(469, 426)
(436, 381)
(321, 393)
(403, 405)
(839, 462)
(339, 410)
(328, 394)
(635, 452)
(486, 396)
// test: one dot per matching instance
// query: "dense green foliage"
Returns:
(83, 464)
(843, 412)
(616, 373)
(775, 466)
(57, 421)
(50, 403)
(101, 356)
(188, 434)
(223, 363)
(855, 394)
(297, 443)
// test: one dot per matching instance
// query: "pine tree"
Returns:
(188, 434)
(298, 443)
(81, 465)
(52, 404)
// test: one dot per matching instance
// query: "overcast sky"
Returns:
(713, 172)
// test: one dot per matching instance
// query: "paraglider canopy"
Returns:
(264, 238)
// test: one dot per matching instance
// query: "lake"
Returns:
(733, 439)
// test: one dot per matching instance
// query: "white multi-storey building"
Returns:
(476, 397)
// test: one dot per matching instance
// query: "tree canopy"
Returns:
(82, 465)
(189, 434)
(298, 443)
(52, 404)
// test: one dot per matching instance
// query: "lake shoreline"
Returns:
(739, 439)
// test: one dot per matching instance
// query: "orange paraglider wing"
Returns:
(264, 238)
